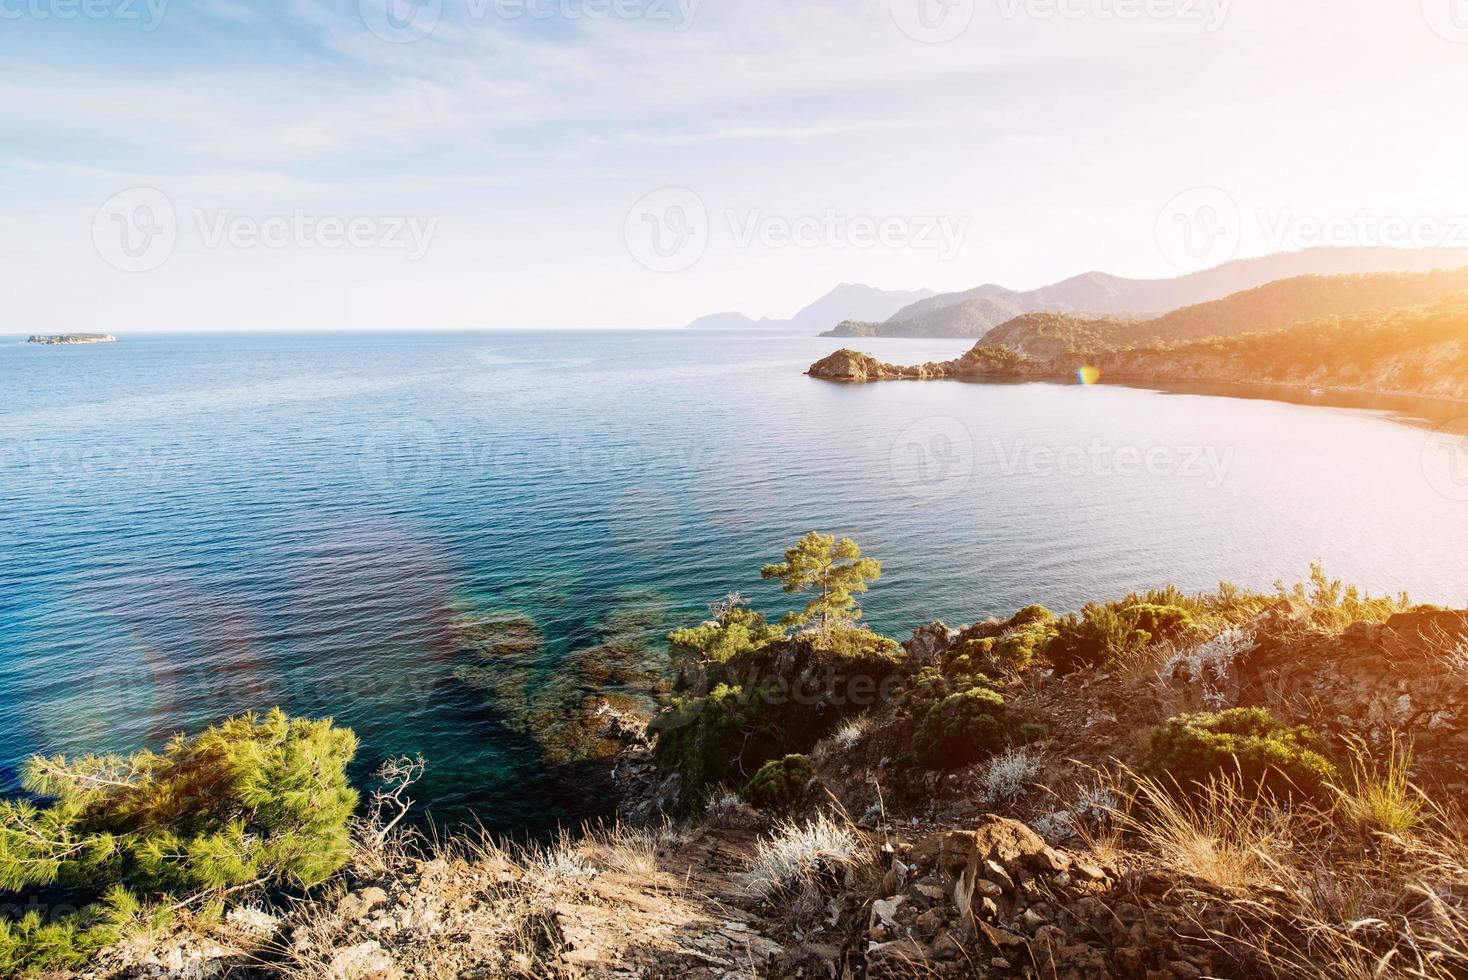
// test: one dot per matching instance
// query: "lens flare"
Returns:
(1086, 374)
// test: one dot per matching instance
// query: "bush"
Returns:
(735, 630)
(960, 729)
(1105, 633)
(1280, 760)
(768, 703)
(779, 784)
(251, 800)
(1024, 635)
(705, 739)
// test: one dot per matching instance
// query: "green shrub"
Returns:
(931, 685)
(33, 945)
(735, 630)
(704, 739)
(1104, 633)
(251, 800)
(1332, 605)
(1024, 635)
(1159, 621)
(1030, 731)
(1250, 743)
(960, 729)
(779, 784)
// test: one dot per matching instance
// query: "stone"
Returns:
(1049, 859)
(884, 911)
(1032, 920)
(993, 871)
(364, 961)
(1001, 939)
(360, 904)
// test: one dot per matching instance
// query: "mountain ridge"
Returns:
(972, 313)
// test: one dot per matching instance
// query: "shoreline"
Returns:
(1430, 407)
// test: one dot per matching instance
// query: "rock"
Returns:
(1004, 840)
(946, 948)
(884, 911)
(365, 961)
(929, 643)
(360, 904)
(994, 872)
(1001, 939)
(1049, 859)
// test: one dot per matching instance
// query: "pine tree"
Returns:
(251, 801)
(832, 571)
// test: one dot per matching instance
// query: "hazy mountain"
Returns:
(973, 312)
(1267, 308)
(848, 301)
(731, 321)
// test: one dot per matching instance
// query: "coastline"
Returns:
(1434, 408)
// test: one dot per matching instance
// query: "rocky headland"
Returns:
(1421, 351)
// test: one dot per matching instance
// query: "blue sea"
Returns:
(195, 525)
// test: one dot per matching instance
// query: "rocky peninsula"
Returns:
(67, 339)
(1419, 351)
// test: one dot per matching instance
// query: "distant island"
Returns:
(72, 338)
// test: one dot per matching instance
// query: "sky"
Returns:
(487, 164)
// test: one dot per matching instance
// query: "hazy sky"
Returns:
(218, 164)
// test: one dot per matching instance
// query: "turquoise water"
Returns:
(194, 525)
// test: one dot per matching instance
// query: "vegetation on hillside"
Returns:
(1235, 784)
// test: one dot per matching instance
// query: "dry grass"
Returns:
(850, 734)
(1381, 798)
(1305, 899)
(797, 854)
(1217, 832)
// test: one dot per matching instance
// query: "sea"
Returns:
(455, 543)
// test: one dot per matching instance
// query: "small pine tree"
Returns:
(252, 800)
(832, 571)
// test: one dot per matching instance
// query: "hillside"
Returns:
(1416, 351)
(1420, 351)
(1098, 294)
(1160, 787)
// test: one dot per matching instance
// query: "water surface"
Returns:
(194, 525)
